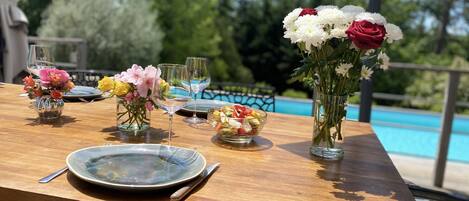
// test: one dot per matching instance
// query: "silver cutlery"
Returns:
(52, 176)
(182, 192)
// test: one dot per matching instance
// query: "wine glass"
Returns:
(199, 80)
(39, 57)
(172, 92)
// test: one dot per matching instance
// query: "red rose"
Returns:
(366, 35)
(308, 11)
(56, 94)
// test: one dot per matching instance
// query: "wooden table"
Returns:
(279, 167)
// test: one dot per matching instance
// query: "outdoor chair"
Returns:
(259, 97)
(88, 77)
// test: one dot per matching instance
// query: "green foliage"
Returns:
(294, 93)
(195, 28)
(33, 10)
(118, 33)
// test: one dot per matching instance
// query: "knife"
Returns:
(182, 192)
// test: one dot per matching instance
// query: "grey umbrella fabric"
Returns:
(14, 30)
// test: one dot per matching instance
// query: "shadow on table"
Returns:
(152, 135)
(347, 176)
(63, 120)
(258, 143)
(102, 193)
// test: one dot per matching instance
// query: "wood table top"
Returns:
(278, 167)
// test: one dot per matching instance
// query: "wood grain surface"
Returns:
(278, 167)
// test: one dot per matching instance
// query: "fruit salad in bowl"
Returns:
(236, 123)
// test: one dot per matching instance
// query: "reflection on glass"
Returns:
(199, 80)
(39, 57)
(172, 92)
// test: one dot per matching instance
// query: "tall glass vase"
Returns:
(329, 113)
(132, 116)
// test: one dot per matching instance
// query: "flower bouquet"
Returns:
(339, 47)
(132, 89)
(48, 92)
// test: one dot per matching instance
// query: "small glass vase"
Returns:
(132, 116)
(48, 109)
(329, 112)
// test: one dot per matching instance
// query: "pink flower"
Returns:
(150, 75)
(149, 106)
(133, 75)
(51, 77)
(129, 97)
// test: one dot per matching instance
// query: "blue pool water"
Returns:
(408, 132)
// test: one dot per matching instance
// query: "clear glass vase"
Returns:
(48, 109)
(132, 116)
(329, 112)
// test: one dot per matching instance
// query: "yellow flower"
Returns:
(121, 88)
(106, 84)
(164, 87)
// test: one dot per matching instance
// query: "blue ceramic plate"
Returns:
(136, 166)
(204, 105)
(83, 92)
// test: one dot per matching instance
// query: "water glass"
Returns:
(199, 80)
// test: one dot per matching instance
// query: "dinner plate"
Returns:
(203, 105)
(136, 166)
(83, 92)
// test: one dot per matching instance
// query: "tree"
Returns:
(194, 28)
(33, 10)
(118, 33)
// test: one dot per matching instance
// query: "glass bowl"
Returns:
(236, 124)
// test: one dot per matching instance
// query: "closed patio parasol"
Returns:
(14, 40)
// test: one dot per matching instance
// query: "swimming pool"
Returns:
(401, 131)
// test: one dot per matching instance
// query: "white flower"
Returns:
(366, 73)
(369, 52)
(338, 32)
(383, 59)
(291, 34)
(319, 8)
(374, 18)
(289, 20)
(343, 69)
(393, 32)
(309, 32)
(332, 16)
(351, 11)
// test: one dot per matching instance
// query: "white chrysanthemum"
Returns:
(289, 20)
(393, 32)
(338, 32)
(319, 8)
(307, 20)
(366, 73)
(383, 60)
(374, 18)
(291, 34)
(343, 69)
(309, 32)
(332, 16)
(351, 11)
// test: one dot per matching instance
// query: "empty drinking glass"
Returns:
(39, 57)
(172, 93)
(199, 80)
